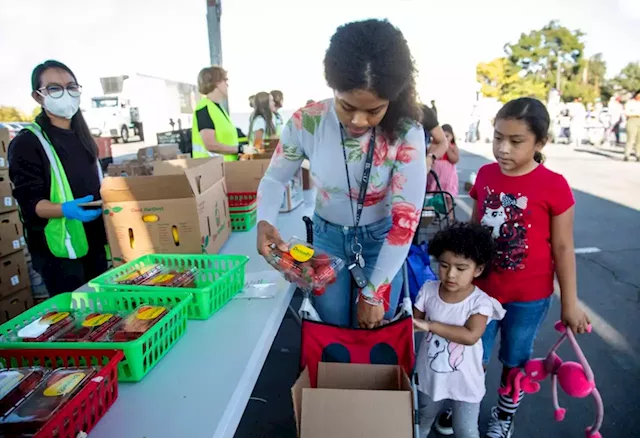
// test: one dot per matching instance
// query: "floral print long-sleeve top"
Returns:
(396, 184)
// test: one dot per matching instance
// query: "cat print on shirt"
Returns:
(444, 356)
(504, 215)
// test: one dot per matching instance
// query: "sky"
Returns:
(280, 44)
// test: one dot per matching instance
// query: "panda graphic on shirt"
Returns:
(504, 214)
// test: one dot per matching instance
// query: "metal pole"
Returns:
(214, 11)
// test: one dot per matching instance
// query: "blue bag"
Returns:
(419, 269)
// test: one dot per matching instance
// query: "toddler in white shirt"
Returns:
(454, 313)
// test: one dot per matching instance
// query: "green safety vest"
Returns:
(65, 237)
(226, 133)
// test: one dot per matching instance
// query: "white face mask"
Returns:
(66, 106)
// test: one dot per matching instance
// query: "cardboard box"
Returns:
(244, 176)
(183, 212)
(160, 152)
(15, 304)
(130, 168)
(373, 401)
(14, 274)
(7, 202)
(4, 147)
(11, 237)
(293, 195)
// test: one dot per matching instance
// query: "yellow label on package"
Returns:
(64, 385)
(150, 312)
(162, 278)
(97, 320)
(54, 318)
(9, 380)
(301, 253)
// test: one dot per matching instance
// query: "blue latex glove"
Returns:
(71, 210)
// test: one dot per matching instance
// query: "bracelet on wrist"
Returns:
(372, 301)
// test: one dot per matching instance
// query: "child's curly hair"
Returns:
(471, 241)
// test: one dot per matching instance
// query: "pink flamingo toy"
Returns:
(576, 379)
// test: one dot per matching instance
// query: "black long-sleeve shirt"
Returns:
(30, 173)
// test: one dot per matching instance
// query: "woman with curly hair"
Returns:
(366, 149)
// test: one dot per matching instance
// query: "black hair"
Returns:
(78, 124)
(374, 55)
(532, 112)
(468, 240)
(447, 128)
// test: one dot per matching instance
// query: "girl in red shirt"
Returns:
(530, 212)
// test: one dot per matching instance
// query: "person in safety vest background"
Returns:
(263, 121)
(213, 131)
(54, 167)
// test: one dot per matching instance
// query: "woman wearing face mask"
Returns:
(372, 122)
(54, 169)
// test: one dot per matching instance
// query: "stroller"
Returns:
(391, 344)
(438, 212)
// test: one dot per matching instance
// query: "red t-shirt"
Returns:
(518, 210)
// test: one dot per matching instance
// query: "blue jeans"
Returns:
(518, 331)
(338, 304)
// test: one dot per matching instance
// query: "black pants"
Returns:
(66, 275)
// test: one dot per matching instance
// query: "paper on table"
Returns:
(264, 284)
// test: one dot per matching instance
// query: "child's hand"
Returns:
(574, 317)
(420, 325)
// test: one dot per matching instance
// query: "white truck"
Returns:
(140, 105)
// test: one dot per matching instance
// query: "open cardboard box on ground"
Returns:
(354, 400)
(181, 210)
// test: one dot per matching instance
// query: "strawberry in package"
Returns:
(172, 278)
(46, 327)
(136, 323)
(56, 389)
(309, 268)
(140, 275)
(16, 384)
(90, 328)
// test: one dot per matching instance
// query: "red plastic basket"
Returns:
(242, 200)
(90, 404)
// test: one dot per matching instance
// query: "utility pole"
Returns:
(214, 11)
(558, 68)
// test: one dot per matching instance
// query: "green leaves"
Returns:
(292, 153)
(354, 155)
(310, 123)
(116, 209)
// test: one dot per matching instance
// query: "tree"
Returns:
(36, 111)
(534, 64)
(628, 80)
(12, 114)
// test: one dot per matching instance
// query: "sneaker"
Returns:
(444, 423)
(499, 428)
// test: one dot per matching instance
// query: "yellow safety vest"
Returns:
(226, 133)
(65, 237)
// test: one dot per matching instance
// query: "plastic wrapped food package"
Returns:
(91, 328)
(172, 278)
(136, 324)
(16, 384)
(45, 327)
(306, 266)
(56, 389)
(140, 275)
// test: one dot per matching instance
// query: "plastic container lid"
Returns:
(306, 266)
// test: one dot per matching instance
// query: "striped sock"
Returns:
(506, 406)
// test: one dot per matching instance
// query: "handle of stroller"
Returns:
(309, 228)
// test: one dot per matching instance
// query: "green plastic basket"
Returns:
(141, 355)
(219, 278)
(243, 221)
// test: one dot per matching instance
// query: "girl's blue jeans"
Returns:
(338, 303)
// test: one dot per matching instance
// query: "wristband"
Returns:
(370, 300)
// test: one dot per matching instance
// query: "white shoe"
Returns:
(499, 428)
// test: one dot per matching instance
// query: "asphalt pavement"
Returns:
(607, 236)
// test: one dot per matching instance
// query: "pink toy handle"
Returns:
(576, 348)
